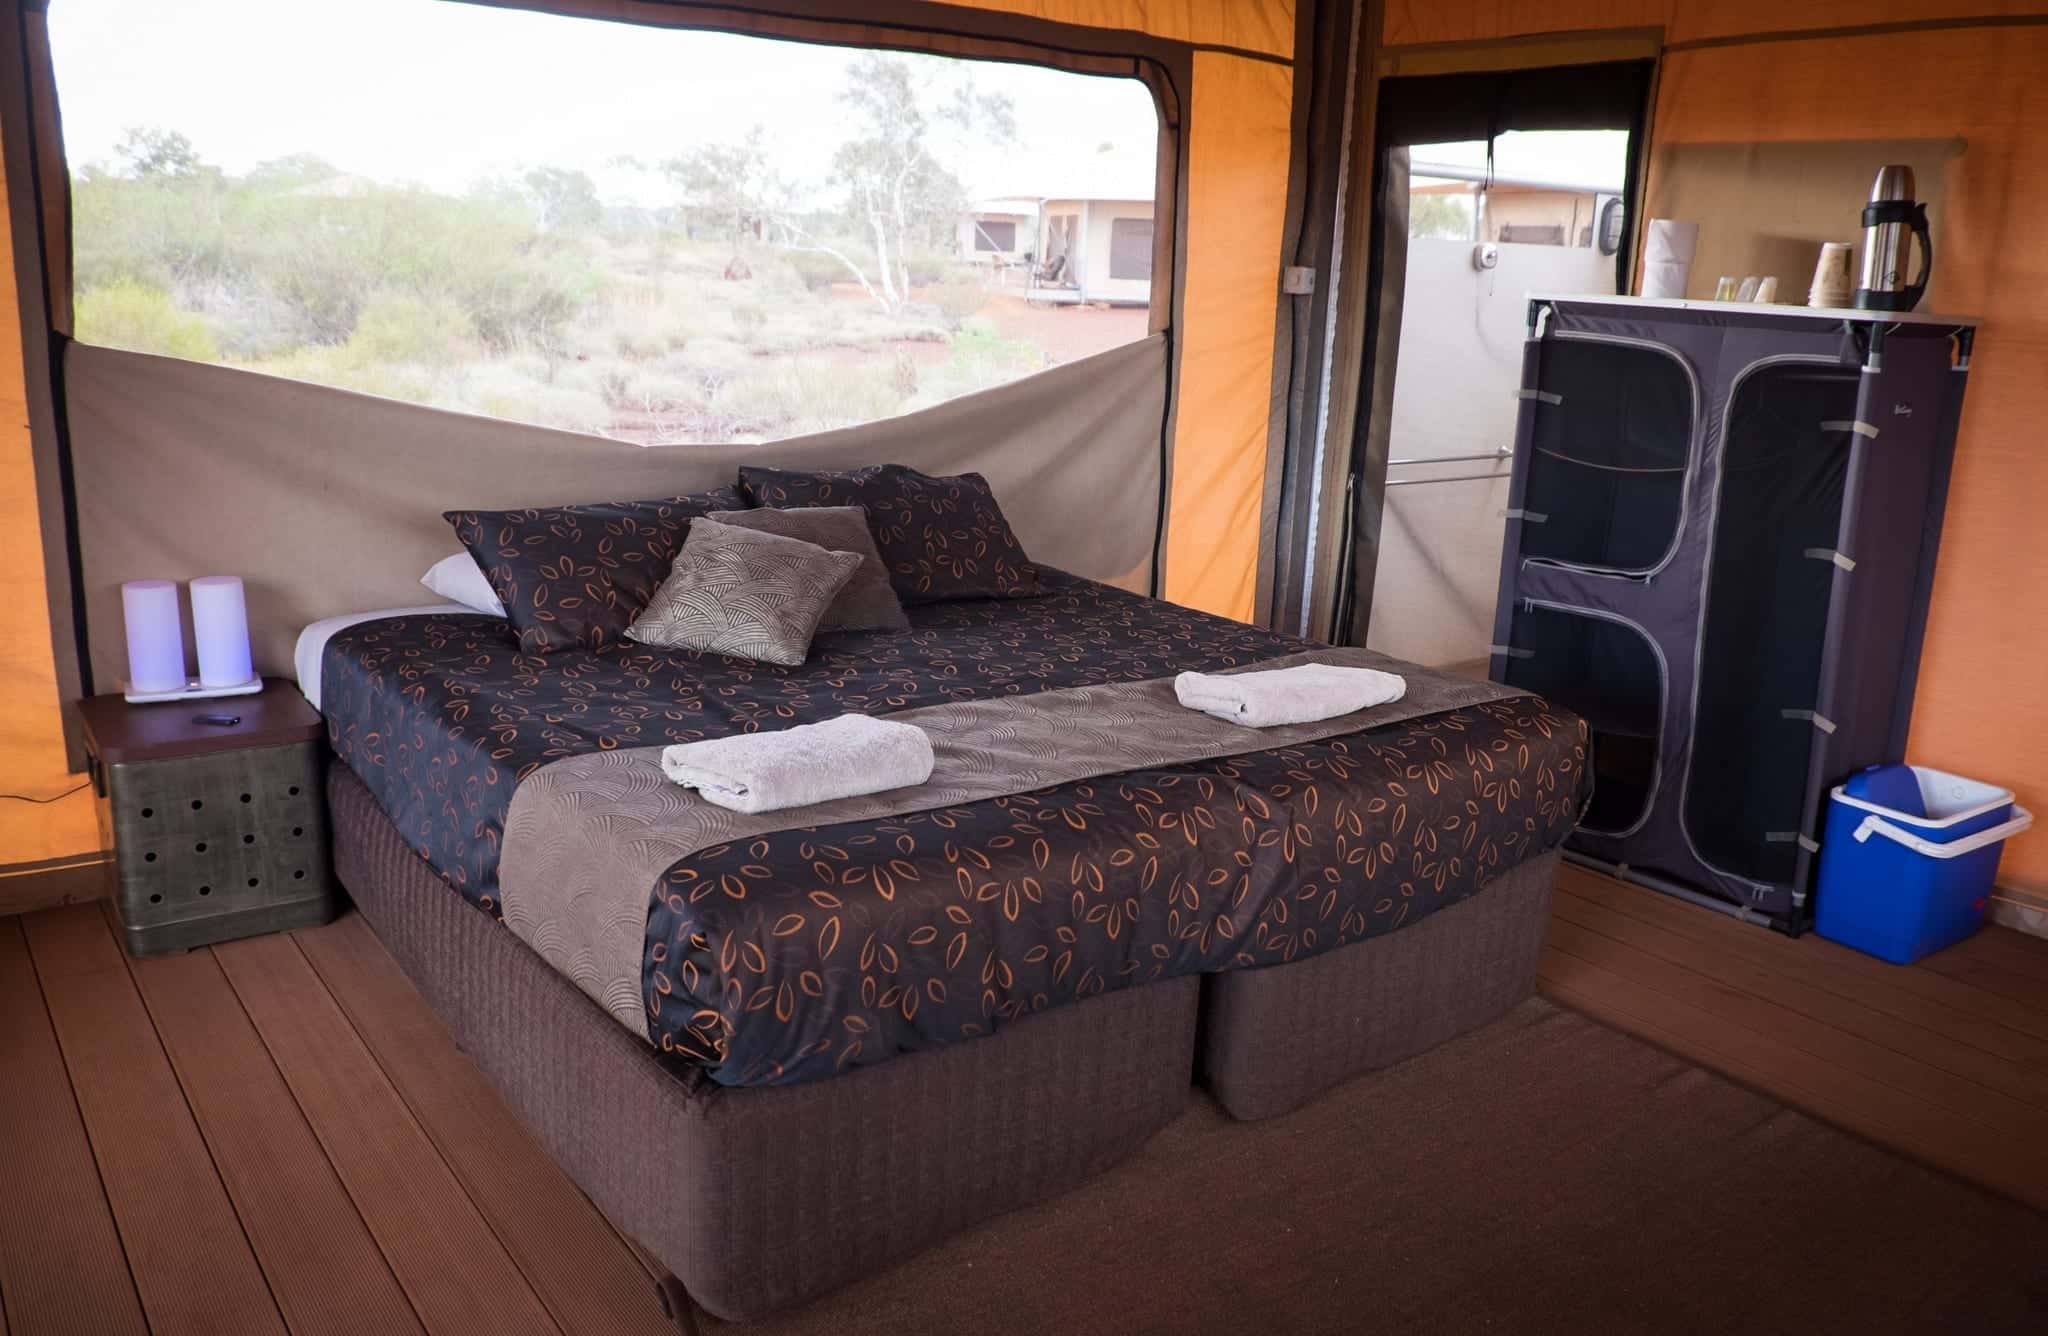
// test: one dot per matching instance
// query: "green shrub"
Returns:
(398, 328)
(638, 345)
(617, 388)
(549, 406)
(978, 358)
(748, 320)
(141, 319)
(925, 270)
(957, 301)
(818, 272)
(903, 373)
(325, 364)
(791, 398)
(979, 342)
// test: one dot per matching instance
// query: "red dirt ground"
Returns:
(1067, 333)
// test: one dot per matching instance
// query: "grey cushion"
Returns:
(751, 595)
(867, 603)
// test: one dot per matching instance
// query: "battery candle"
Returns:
(220, 623)
(156, 641)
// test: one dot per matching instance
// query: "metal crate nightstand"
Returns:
(218, 831)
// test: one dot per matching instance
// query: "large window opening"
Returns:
(664, 236)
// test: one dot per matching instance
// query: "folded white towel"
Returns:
(1297, 695)
(795, 767)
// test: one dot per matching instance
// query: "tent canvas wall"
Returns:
(1265, 95)
(1182, 489)
(1742, 73)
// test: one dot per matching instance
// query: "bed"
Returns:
(843, 1041)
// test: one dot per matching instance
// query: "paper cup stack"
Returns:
(1831, 286)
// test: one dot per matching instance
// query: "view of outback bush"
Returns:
(724, 297)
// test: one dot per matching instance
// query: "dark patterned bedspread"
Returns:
(808, 951)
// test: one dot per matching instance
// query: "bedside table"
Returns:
(217, 831)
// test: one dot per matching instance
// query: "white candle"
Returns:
(220, 623)
(156, 641)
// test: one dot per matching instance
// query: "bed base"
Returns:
(759, 1198)
(1274, 1038)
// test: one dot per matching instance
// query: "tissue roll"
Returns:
(156, 640)
(1667, 257)
(220, 623)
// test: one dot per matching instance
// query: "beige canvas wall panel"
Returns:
(1766, 208)
(326, 501)
(1241, 130)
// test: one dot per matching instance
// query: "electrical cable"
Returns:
(79, 787)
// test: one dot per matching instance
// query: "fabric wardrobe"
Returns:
(1721, 532)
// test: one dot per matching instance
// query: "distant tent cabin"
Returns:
(999, 232)
(1093, 249)
(1522, 209)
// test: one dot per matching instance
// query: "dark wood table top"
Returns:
(120, 733)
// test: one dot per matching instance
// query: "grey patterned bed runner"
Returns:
(588, 837)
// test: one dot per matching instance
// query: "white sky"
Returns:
(1570, 157)
(445, 93)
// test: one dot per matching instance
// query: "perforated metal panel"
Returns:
(224, 845)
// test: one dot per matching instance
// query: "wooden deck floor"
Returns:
(272, 1135)
(1946, 1060)
(277, 1135)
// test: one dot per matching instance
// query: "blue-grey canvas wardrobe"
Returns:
(1720, 539)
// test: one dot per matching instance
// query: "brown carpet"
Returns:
(1542, 1175)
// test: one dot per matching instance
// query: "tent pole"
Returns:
(1655, 883)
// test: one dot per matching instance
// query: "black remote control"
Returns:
(218, 720)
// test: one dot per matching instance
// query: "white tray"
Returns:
(192, 690)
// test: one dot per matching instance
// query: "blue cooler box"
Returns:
(1908, 859)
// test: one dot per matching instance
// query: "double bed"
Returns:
(840, 1041)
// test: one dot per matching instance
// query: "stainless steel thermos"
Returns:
(1891, 213)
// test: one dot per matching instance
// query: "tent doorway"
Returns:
(1487, 187)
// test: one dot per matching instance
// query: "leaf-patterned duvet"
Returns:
(792, 955)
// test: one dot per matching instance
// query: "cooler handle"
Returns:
(1969, 844)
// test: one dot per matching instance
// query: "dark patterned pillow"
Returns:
(745, 593)
(941, 538)
(575, 577)
(867, 603)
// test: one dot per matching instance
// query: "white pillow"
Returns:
(460, 580)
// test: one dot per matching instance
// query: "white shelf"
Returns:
(1828, 313)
